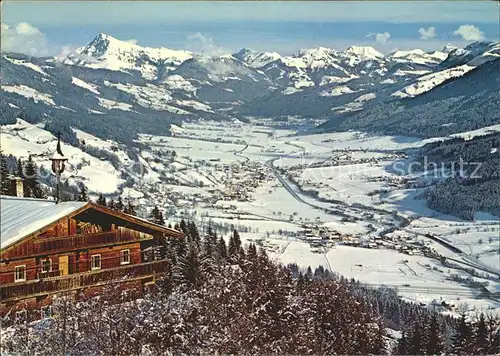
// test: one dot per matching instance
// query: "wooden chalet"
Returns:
(69, 247)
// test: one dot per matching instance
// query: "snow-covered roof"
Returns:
(23, 216)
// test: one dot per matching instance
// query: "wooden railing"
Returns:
(43, 245)
(82, 241)
(49, 274)
(16, 291)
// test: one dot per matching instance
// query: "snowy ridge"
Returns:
(29, 93)
(427, 82)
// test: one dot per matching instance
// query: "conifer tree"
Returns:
(20, 168)
(5, 188)
(156, 216)
(403, 344)
(192, 268)
(319, 272)
(309, 273)
(494, 335)
(193, 233)
(435, 344)
(208, 246)
(119, 204)
(129, 208)
(379, 346)
(111, 204)
(82, 195)
(101, 200)
(180, 247)
(301, 282)
(222, 249)
(419, 336)
(237, 239)
(214, 238)
(232, 248)
(241, 253)
(32, 187)
(252, 252)
(481, 336)
(183, 227)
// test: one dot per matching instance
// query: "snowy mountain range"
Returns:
(116, 89)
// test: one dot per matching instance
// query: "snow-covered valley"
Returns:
(363, 221)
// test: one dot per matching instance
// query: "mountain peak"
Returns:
(366, 52)
(256, 59)
(317, 51)
(449, 48)
(106, 51)
(246, 51)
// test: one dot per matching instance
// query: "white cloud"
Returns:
(427, 33)
(72, 55)
(199, 43)
(132, 41)
(469, 33)
(26, 29)
(381, 38)
(23, 38)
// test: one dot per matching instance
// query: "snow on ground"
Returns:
(272, 200)
(366, 97)
(23, 139)
(328, 79)
(150, 96)
(336, 91)
(27, 64)
(417, 278)
(179, 83)
(111, 104)
(195, 105)
(85, 85)
(480, 239)
(348, 183)
(108, 145)
(29, 93)
(427, 82)
(195, 149)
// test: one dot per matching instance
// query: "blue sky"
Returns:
(46, 28)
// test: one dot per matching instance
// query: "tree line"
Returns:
(473, 183)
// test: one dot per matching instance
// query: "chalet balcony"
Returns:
(58, 284)
(45, 245)
(42, 275)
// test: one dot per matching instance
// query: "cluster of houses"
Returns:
(245, 177)
(320, 237)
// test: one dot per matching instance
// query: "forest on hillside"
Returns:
(226, 298)
(473, 182)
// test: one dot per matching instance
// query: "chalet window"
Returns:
(47, 265)
(20, 274)
(125, 257)
(46, 312)
(95, 262)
